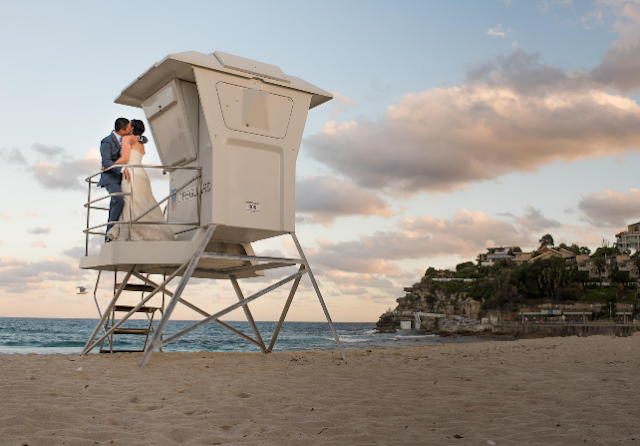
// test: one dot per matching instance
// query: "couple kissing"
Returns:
(125, 146)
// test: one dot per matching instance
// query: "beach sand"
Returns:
(552, 391)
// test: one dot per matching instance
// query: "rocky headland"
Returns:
(433, 306)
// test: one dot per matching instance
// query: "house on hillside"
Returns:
(625, 263)
(522, 257)
(579, 262)
(498, 253)
(582, 262)
(629, 240)
(547, 253)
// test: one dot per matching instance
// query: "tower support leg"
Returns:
(176, 295)
(247, 313)
(315, 286)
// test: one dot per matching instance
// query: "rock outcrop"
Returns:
(430, 308)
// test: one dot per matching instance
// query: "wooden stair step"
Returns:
(143, 309)
(136, 287)
(135, 331)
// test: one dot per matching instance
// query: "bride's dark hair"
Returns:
(138, 127)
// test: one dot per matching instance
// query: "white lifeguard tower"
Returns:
(228, 131)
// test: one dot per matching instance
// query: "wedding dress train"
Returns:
(143, 199)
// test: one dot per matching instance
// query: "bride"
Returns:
(131, 153)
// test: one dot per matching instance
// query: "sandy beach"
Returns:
(552, 391)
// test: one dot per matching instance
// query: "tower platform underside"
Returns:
(219, 261)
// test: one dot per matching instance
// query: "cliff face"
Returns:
(424, 297)
(436, 306)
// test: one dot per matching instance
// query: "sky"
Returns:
(455, 126)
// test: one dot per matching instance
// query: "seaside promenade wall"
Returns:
(564, 329)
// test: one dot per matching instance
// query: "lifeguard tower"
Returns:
(228, 131)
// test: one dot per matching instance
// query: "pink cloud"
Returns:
(511, 114)
(611, 208)
(325, 198)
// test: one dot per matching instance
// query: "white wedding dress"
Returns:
(142, 200)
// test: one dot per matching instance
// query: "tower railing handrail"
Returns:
(91, 230)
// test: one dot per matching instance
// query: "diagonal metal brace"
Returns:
(200, 310)
(229, 309)
(285, 310)
(247, 313)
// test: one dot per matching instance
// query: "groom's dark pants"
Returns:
(117, 203)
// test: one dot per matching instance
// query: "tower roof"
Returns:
(179, 66)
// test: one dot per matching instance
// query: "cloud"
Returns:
(545, 5)
(18, 275)
(342, 99)
(38, 244)
(620, 64)
(497, 31)
(340, 104)
(611, 208)
(50, 152)
(325, 198)
(13, 157)
(75, 252)
(4, 217)
(39, 230)
(362, 285)
(511, 114)
(68, 173)
(466, 234)
(534, 221)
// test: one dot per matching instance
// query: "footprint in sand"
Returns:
(113, 421)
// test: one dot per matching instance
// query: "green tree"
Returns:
(636, 260)
(581, 276)
(505, 289)
(553, 277)
(464, 265)
(607, 251)
(546, 241)
(576, 249)
(600, 263)
(431, 272)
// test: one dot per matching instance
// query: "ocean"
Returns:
(43, 335)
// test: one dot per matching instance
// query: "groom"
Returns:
(110, 179)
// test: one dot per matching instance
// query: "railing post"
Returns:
(131, 201)
(199, 195)
(86, 242)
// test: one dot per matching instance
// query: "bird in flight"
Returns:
(81, 290)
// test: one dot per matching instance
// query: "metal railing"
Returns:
(91, 230)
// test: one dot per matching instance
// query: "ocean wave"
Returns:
(347, 338)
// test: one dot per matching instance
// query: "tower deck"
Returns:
(219, 261)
